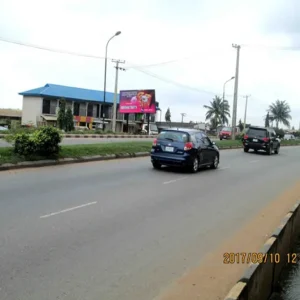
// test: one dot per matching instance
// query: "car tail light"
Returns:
(188, 146)
(154, 142)
(266, 140)
(246, 137)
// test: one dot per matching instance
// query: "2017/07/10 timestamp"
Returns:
(258, 257)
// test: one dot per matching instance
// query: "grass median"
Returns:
(76, 151)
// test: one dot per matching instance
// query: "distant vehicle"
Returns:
(2, 128)
(187, 148)
(289, 136)
(225, 133)
(153, 129)
(261, 138)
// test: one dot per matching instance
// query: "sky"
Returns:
(182, 49)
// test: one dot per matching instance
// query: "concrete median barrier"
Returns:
(259, 280)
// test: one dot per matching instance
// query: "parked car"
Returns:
(261, 138)
(225, 133)
(289, 136)
(187, 148)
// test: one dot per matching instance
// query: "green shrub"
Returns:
(47, 140)
(44, 141)
(24, 144)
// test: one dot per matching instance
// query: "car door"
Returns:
(202, 148)
(210, 149)
(274, 139)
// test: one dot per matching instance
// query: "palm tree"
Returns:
(217, 111)
(280, 112)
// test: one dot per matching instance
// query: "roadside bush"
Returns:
(44, 141)
(24, 144)
(47, 140)
(279, 132)
(239, 136)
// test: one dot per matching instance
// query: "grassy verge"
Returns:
(75, 151)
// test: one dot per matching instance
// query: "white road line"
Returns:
(224, 168)
(254, 161)
(67, 210)
(174, 180)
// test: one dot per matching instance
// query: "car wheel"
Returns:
(156, 165)
(195, 165)
(215, 163)
(269, 151)
(277, 150)
(246, 149)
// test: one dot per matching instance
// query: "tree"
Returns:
(267, 120)
(168, 115)
(218, 110)
(241, 125)
(61, 116)
(280, 112)
(69, 120)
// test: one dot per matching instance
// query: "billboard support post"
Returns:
(127, 123)
(148, 123)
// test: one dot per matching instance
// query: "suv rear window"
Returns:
(257, 132)
(174, 136)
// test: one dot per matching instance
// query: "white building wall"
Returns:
(31, 110)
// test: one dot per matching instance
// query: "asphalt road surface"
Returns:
(121, 230)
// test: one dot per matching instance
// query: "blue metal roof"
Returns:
(68, 92)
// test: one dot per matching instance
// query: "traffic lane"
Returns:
(126, 239)
(26, 193)
(43, 185)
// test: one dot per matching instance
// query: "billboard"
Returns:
(137, 101)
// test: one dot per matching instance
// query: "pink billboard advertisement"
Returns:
(137, 101)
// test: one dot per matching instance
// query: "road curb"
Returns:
(259, 280)
(63, 161)
(101, 136)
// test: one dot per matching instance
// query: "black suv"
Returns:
(261, 138)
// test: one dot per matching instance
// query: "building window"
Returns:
(46, 106)
(98, 111)
(76, 109)
(90, 110)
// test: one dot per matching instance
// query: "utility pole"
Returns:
(114, 118)
(247, 96)
(182, 116)
(236, 83)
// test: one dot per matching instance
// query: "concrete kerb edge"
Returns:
(63, 161)
(242, 289)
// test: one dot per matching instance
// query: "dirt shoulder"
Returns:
(213, 279)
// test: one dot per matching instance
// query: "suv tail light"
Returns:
(246, 137)
(154, 142)
(266, 140)
(188, 146)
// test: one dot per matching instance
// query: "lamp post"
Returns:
(105, 67)
(224, 98)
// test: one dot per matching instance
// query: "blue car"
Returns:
(187, 148)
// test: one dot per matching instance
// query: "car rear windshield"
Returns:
(257, 132)
(174, 136)
(226, 129)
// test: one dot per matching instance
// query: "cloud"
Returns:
(197, 34)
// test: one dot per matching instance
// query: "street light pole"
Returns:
(236, 84)
(224, 98)
(245, 116)
(105, 68)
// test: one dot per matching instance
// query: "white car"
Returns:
(289, 137)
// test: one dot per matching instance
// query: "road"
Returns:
(121, 230)
(80, 141)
